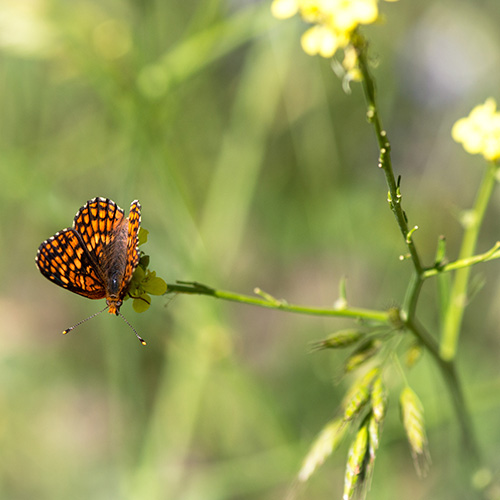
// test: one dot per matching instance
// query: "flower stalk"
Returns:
(445, 365)
(385, 163)
(458, 297)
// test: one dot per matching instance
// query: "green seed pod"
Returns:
(374, 436)
(379, 399)
(413, 354)
(324, 445)
(356, 403)
(358, 395)
(342, 338)
(412, 414)
(362, 354)
(369, 462)
(355, 462)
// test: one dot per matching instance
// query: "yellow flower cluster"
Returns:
(480, 131)
(333, 20)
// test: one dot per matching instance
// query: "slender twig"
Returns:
(408, 314)
(447, 368)
(394, 195)
(265, 300)
(492, 254)
(385, 162)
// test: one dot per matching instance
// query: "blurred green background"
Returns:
(253, 168)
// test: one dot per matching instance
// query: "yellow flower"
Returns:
(348, 14)
(25, 29)
(350, 64)
(283, 9)
(333, 20)
(320, 40)
(480, 131)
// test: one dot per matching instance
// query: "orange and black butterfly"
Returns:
(96, 257)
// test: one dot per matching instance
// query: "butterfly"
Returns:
(96, 257)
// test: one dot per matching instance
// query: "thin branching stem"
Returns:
(265, 300)
(385, 162)
(406, 318)
(492, 254)
(408, 314)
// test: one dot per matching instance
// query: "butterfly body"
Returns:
(98, 255)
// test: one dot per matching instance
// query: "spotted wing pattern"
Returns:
(64, 260)
(134, 222)
(97, 223)
(98, 255)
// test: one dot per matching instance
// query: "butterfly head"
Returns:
(114, 305)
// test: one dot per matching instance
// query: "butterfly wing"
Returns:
(64, 260)
(97, 222)
(134, 222)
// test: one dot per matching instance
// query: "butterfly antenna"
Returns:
(83, 321)
(141, 340)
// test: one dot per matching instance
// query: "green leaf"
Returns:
(154, 285)
(144, 262)
(143, 236)
(139, 274)
(142, 303)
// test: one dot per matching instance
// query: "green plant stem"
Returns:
(272, 303)
(458, 296)
(411, 298)
(492, 254)
(446, 366)
(385, 162)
